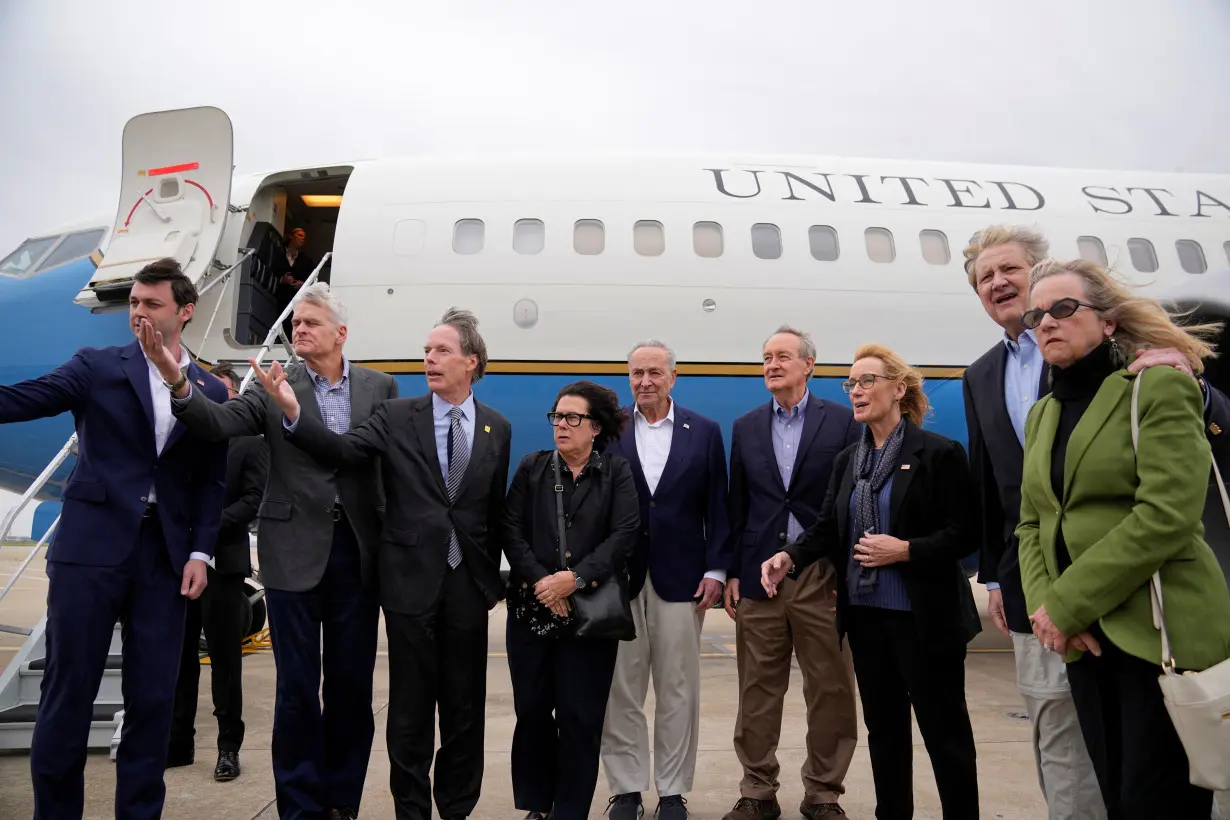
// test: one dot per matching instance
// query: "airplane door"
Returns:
(174, 193)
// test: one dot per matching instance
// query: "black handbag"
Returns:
(600, 611)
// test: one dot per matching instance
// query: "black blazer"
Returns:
(996, 462)
(929, 507)
(247, 469)
(603, 524)
(413, 553)
(759, 502)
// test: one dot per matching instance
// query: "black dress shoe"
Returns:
(228, 766)
(344, 813)
(180, 757)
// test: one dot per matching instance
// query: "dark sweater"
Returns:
(1074, 388)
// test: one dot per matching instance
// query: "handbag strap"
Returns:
(559, 511)
(1155, 583)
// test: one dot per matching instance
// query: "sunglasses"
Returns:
(573, 419)
(1060, 310)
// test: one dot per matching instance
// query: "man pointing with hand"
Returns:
(141, 515)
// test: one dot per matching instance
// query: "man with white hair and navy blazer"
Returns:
(676, 575)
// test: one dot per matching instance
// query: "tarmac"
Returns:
(1008, 784)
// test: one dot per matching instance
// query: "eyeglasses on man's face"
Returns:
(865, 381)
(1062, 309)
(573, 419)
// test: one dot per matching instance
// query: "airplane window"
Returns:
(1144, 259)
(588, 237)
(766, 241)
(934, 247)
(1226, 247)
(707, 239)
(1191, 256)
(648, 238)
(1091, 248)
(529, 236)
(880, 246)
(823, 241)
(468, 236)
(74, 247)
(22, 261)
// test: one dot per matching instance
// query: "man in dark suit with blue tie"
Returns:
(781, 459)
(140, 518)
(676, 575)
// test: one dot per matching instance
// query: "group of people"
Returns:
(826, 522)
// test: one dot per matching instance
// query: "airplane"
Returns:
(569, 261)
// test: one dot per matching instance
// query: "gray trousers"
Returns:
(667, 647)
(1065, 770)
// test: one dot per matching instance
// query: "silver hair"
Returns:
(1035, 245)
(318, 293)
(670, 354)
(472, 344)
(807, 347)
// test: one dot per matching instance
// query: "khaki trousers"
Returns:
(667, 647)
(802, 617)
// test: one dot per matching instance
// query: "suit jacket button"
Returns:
(651, 504)
(644, 532)
(523, 585)
(782, 536)
(568, 554)
(594, 584)
(144, 499)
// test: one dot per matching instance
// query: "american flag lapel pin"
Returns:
(905, 466)
(201, 382)
(686, 426)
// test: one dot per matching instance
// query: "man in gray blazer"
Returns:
(318, 532)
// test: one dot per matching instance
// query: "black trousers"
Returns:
(221, 611)
(438, 657)
(560, 690)
(896, 668)
(1141, 766)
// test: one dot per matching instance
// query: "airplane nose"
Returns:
(28, 307)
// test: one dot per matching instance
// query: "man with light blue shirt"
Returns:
(318, 532)
(781, 460)
(1000, 388)
(444, 466)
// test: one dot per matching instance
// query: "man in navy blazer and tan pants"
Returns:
(141, 514)
(676, 575)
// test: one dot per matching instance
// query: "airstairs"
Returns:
(21, 680)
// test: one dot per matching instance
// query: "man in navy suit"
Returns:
(676, 575)
(141, 514)
(781, 458)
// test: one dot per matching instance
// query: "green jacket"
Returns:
(1124, 517)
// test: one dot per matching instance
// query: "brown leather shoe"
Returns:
(749, 808)
(821, 811)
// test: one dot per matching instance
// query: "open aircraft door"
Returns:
(174, 197)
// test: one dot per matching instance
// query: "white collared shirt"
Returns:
(653, 444)
(164, 421)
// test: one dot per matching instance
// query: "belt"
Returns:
(339, 512)
(793, 572)
(151, 511)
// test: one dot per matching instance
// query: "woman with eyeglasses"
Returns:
(560, 681)
(1098, 519)
(895, 524)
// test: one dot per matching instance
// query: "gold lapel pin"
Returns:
(486, 428)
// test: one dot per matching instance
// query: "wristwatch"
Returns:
(183, 379)
(580, 581)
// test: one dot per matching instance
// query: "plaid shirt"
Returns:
(333, 399)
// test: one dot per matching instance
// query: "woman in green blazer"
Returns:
(1097, 520)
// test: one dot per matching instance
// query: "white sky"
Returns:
(1098, 83)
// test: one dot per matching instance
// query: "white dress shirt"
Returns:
(164, 421)
(653, 448)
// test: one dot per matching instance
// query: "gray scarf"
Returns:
(867, 486)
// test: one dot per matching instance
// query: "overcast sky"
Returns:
(1096, 83)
